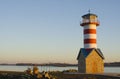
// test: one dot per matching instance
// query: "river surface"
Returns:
(52, 68)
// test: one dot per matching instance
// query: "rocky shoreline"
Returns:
(33, 74)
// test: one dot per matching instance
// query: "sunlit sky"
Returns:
(44, 31)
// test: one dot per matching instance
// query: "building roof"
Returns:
(86, 52)
(88, 15)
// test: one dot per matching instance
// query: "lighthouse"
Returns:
(90, 58)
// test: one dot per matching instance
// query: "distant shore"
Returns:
(112, 64)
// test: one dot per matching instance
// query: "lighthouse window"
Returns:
(92, 17)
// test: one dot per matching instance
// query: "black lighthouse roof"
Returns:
(88, 15)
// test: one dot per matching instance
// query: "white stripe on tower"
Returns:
(90, 45)
(91, 26)
(87, 36)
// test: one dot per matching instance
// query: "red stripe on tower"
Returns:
(89, 31)
(88, 41)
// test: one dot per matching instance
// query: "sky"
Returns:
(49, 31)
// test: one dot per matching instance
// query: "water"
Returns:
(52, 68)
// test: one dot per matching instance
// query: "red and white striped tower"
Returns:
(89, 23)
